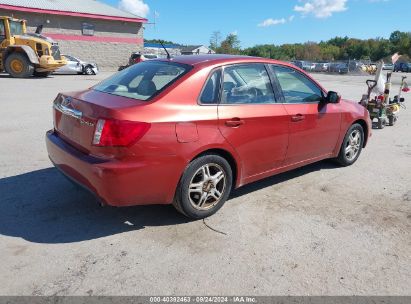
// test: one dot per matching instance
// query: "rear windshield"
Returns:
(143, 80)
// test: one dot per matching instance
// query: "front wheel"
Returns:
(88, 70)
(19, 66)
(204, 187)
(352, 146)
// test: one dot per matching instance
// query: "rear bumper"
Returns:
(114, 182)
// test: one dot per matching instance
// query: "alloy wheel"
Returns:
(89, 71)
(353, 145)
(207, 187)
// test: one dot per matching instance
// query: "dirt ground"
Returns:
(318, 230)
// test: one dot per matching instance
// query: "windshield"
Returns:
(143, 80)
(16, 28)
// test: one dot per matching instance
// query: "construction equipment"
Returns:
(383, 110)
(394, 105)
(22, 54)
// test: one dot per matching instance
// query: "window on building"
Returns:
(87, 29)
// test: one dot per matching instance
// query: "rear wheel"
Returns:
(204, 187)
(352, 146)
(19, 66)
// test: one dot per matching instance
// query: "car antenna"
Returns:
(165, 49)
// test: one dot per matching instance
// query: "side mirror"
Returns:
(332, 97)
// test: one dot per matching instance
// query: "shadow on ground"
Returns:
(44, 207)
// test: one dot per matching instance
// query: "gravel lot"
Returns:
(318, 230)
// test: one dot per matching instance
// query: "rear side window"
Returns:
(143, 80)
(296, 87)
(211, 90)
(247, 84)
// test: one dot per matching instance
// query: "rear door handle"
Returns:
(234, 122)
(298, 117)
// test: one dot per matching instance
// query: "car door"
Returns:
(72, 65)
(251, 120)
(314, 125)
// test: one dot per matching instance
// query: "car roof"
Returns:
(216, 59)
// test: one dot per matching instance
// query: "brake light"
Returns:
(120, 133)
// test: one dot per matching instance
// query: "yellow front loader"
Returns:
(23, 55)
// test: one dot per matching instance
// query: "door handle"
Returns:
(234, 122)
(297, 118)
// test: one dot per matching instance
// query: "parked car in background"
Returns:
(135, 57)
(321, 67)
(151, 56)
(77, 66)
(149, 135)
(298, 63)
(402, 67)
(388, 67)
(342, 68)
(308, 66)
(333, 68)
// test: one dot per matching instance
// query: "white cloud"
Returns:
(136, 7)
(321, 8)
(271, 22)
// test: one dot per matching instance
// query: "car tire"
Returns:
(19, 66)
(381, 123)
(204, 186)
(88, 70)
(351, 146)
(392, 120)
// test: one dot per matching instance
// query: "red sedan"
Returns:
(189, 129)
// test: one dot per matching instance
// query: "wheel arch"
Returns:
(364, 125)
(25, 49)
(236, 171)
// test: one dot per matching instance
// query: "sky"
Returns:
(269, 21)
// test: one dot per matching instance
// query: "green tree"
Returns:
(215, 40)
(230, 45)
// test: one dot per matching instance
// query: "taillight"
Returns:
(120, 133)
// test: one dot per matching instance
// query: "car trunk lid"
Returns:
(76, 115)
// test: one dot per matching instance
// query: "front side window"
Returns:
(211, 90)
(143, 80)
(296, 87)
(247, 84)
(16, 28)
